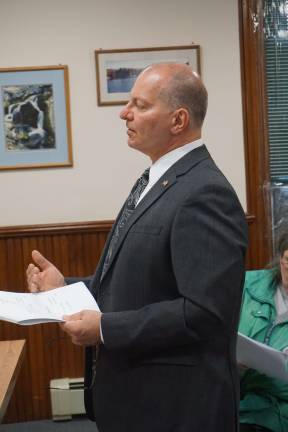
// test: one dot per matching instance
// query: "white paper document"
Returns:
(47, 306)
(261, 357)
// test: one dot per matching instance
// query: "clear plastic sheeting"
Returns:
(276, 61)
(276, 20)
(275, 27)
(279, 205)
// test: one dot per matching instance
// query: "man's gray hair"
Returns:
(185, 89)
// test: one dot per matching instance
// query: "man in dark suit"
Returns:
(170, 278)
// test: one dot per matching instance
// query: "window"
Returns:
(276, 54)
(275, 31)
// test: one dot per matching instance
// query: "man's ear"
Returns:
(180, 120)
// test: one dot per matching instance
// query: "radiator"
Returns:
(67, 397)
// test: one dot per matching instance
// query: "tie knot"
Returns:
(143, 181)
(145, 174)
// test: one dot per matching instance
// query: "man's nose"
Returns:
(126, 113)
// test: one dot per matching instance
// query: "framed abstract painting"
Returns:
(35, 126)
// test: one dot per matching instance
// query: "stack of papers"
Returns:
(47, 306)
(261, 357)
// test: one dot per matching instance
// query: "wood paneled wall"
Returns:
(75, 249)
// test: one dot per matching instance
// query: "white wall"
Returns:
(41, 32)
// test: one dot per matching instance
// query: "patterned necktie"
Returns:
(127, 211)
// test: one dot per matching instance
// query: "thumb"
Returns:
(40, 260)
(74, 317)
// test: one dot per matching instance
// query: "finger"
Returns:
(72, 328)
(40, 260)
(77, 342)
(35, 278)
(33, 283)
(31, 269)
(32, 273)
(33, 287)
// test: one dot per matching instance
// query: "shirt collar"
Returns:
(167, 160)
(162, 165)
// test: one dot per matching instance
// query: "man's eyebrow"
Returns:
(140, 99)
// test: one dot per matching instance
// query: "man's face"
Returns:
(148, 119)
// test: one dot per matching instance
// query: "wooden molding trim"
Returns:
(51, 229)
(67, 228)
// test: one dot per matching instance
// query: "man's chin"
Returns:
(132, 143)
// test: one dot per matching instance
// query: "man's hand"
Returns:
(83, 327)
(43, 275)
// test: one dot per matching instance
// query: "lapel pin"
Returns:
(165, 183)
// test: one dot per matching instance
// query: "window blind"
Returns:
(276, 60)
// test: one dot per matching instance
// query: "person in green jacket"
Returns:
(264, 317)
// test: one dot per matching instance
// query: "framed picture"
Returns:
(117, 70)
(35, 128)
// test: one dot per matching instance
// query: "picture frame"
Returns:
(35, 125)
(117, 69)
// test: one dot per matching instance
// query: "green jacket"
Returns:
(264, 400)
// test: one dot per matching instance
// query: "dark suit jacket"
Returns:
(170, 301)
